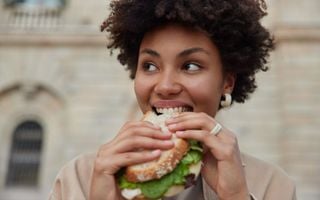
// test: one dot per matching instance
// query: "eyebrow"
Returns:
(183, 53)
(191, 51)
(150, 52)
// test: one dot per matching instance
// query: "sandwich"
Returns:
(175, 170)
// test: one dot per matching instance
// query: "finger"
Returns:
(111, 164)
(197, 121)
(220, 149)
(189, 115)
(185, 125)
(138, 142)
(183, 114)
(131, 158)
(199, 135)
(131, 124)
(181, 117)
(156, 134)
(225, 135)
(146, 131)
(128, 141)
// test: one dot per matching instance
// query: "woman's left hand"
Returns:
(222, 170)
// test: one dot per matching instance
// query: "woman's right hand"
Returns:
(123, 151)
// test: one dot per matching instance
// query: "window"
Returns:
(34, 14)
(32, 3)
(24, 163)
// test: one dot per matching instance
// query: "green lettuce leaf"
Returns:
(156, 188)
(192, 157)
(123, 183)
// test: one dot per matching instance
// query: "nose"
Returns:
(168, 85)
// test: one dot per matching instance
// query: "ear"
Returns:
(229, 82)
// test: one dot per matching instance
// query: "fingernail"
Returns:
(172, 126)
(179, 133)
(167, 133)
(168, 142)
(156, 152)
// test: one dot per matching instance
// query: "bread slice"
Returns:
(168, 159)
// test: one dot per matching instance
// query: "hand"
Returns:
(222, 169)
(123, 151)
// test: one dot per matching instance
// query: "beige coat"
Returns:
(265, 182)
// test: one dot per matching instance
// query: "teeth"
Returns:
(172, 110)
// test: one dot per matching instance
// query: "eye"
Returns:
(192, 67)
(149, 67)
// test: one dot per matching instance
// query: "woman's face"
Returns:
(179, 67)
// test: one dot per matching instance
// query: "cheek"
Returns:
(141, 90)
(138, 88)
(206, 95)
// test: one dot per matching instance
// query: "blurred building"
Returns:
(62, 94)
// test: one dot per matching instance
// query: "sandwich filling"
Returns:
(182, 176)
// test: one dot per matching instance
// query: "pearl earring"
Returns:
(227, 100)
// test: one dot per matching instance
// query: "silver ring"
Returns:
(216, 129)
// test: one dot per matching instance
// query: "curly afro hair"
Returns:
(233, 26)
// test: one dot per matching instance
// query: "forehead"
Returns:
(177, 35)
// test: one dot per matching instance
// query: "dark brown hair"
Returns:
(233, 26)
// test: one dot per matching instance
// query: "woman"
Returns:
(198, 55)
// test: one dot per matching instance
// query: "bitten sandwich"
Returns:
(175, 170)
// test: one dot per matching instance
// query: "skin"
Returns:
(186, 74)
